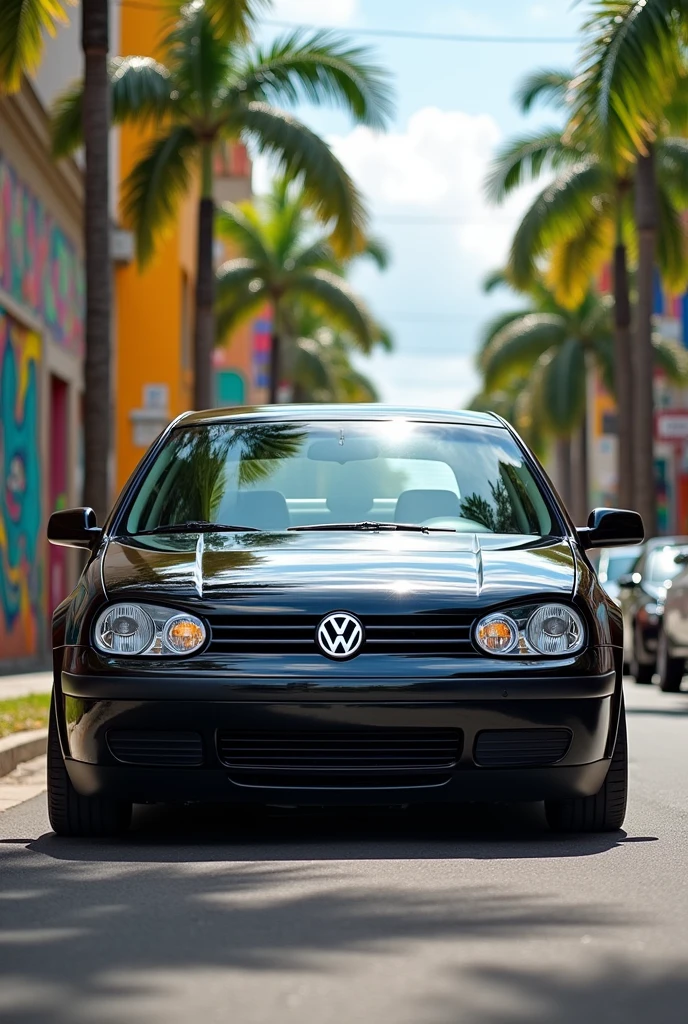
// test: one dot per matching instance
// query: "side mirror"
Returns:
(612, 527)
(74, 528)
(681, 558)
(629, 580)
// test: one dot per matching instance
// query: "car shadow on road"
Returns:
(219, 832)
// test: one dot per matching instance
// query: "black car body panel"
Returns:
(319, 730)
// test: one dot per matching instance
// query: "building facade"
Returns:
(41, 372)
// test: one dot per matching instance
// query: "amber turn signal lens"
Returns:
(184, 633)
(497, 634)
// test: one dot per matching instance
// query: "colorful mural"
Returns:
(21, 553)
(39, 266)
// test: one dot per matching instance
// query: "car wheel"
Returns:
(605, 810)
(670, 669)
(70, 813)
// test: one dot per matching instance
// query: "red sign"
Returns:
(671, 425)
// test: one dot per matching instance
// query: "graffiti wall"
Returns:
(39, 266)
(21, 551)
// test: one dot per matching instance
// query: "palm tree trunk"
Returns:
(623, 377)
(579, 474)
(563, 463)
(204, 330)
(96, 125)
(643, 412)
(275, 353)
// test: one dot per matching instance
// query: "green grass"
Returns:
(22, 713)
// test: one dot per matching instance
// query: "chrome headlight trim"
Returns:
(528, 620)
(153, 622)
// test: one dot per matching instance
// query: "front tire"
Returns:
(670, 670)
(641, 672)
(70, 813)
(605, 810)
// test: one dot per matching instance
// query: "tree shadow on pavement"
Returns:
(610, 990)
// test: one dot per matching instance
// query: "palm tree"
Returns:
(583, 218)
(214, 88)
(23, 27)
(294, 269)
(553, 347)
(323, 370)
(631, 87)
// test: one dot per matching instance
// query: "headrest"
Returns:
(266, 510)
(417, 506)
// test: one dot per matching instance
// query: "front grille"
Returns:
(436, 635)
(520, 748)
(374, 750)
(181, 749)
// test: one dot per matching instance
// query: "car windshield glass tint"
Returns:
(277, 476)
(661, 564)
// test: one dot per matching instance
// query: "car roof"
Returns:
(359, 411)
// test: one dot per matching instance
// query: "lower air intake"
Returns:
(174, 749)
(521, 748)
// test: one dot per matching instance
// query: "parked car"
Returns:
(672, 642)
(641, 595)
(337, 605)
(614, 563)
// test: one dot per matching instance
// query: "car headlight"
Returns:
(533, 629)
(147, 629)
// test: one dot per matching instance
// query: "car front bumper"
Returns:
(96, 708)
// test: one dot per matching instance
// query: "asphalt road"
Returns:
(479, 918)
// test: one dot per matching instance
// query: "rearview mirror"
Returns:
(611, 527)
(354, 449)
(74, 528)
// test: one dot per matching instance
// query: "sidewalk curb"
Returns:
(21, 746)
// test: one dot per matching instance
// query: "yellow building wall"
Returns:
(154, 305)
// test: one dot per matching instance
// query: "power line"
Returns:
(382, 33)
(439, 221)
(434, 37)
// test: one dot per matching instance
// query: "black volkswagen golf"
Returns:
(320, 605)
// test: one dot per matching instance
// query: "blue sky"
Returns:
(454, 108)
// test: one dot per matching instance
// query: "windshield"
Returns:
(619, 565)
(661, 565)
(280, 476)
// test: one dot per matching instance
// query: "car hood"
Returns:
(308, 569)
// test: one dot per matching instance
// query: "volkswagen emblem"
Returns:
(340, 635)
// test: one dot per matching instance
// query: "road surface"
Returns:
(480, 918)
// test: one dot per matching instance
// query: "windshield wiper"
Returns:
(375, 527)
(194, 526)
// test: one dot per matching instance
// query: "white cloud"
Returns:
(316, 12)
(432, 170)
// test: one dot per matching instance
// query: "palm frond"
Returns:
(338, 302)
(495, 326)
(519, 344)
(240, 291)
(561, 210)
(240, 225)
(546, 84)
(524, 159)
(303, 155)
(577, 260)
(199, 60)
(630, 63)
(319, 67)
(23, 27)
(672, 358)
(672, 248)
(562, 386)
(152, 190)
(234, 21)
(141, 92)
(672, 168)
